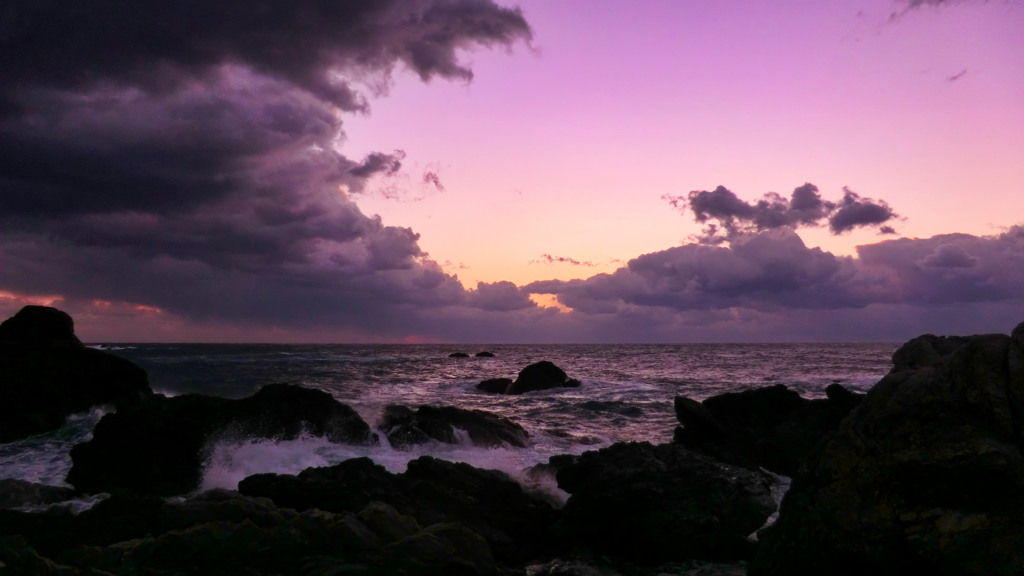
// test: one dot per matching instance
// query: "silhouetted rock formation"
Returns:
(539, 376)
(404, 428)
(432, 491)
(158, 448)
(925, 476)
(769, 427)
(458, 355)
(657, 503)
(46, 374)
(484, 354)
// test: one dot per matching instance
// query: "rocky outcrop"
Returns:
(223, 532)
(404, 428)
(770, 427)
(16, 493)
(46, 374)
(658, 503)
(539, 376)
(158, 447)
(925, 476)
(488, 502)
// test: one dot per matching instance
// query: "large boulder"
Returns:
(404, 428)
(925, 476)
(538, 376)
(159, 447)
(656, 503)
(513, 522)
(46, 374)
(771, 427)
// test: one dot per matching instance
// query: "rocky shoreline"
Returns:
(924, 474)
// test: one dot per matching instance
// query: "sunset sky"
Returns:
(533, 171)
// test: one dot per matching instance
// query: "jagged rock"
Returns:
(404, 428)
(495, 385)
(46, 374)
(771, 427)
(538, 376)
(653, 504)
(16, 493)
(925, 476)
(158, 447)
(488, 502)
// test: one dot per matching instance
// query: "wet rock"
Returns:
(484, 354)
(539, 376)
(158, 447)
(46, 374)
(388, 524)
(495, 385)
(925, 476)
(771, 427)
(458, 355)
(652, 504)
(404, 428)
(16, 493)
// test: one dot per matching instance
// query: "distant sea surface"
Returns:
(626, 394)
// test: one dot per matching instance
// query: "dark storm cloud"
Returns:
(184, 155)
(773, 271)
(733, 216)
(499, 296)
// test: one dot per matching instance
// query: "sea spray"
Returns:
(45, 458)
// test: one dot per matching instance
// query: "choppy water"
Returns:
(626, 394)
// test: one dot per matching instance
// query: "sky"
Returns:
(498, 171)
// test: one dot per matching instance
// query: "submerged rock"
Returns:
(404, 428)
(46, 374)
(925, 476)
(158, 447)
(538, 376)
(770, 427)
(658, 503)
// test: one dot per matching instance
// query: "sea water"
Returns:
(626, 394)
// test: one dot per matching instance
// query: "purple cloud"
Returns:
(549, 259)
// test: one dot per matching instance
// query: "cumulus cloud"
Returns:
(184, 155)
(727, 216)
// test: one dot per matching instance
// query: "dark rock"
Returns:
(484, 354)
(46, 374)
(388, 524)
(458, 355)
(488, 502)
(447, 548)
(613, 406)
(652, 504)
(158, 447)
(16, 493)
(495, 385)
(770, 427)
(404, 428)
(541, 376)
(925, 476)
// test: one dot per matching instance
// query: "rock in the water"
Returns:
(16, 493)
(925, 476)
(495, 385)
(770, 427)
(46, 374)
(539, 376)
(488, 502)
(653, 504)
(404, 428)
(484, 354)
(158, 447)
(458, 355)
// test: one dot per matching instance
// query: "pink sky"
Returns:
(204, 206)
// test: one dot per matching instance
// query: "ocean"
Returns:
(626, 394)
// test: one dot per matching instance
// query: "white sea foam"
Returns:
(45, 458)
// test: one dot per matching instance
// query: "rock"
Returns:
(495, 385)
(771, 427)
(46, 374)
(158, 447)
(388, 524)
(488, 502)
(16, 493)
(925, 476)
(458, 355)
(653, 504)
(447, 548)
(404, 428)
(539, 376)
(484, 354)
